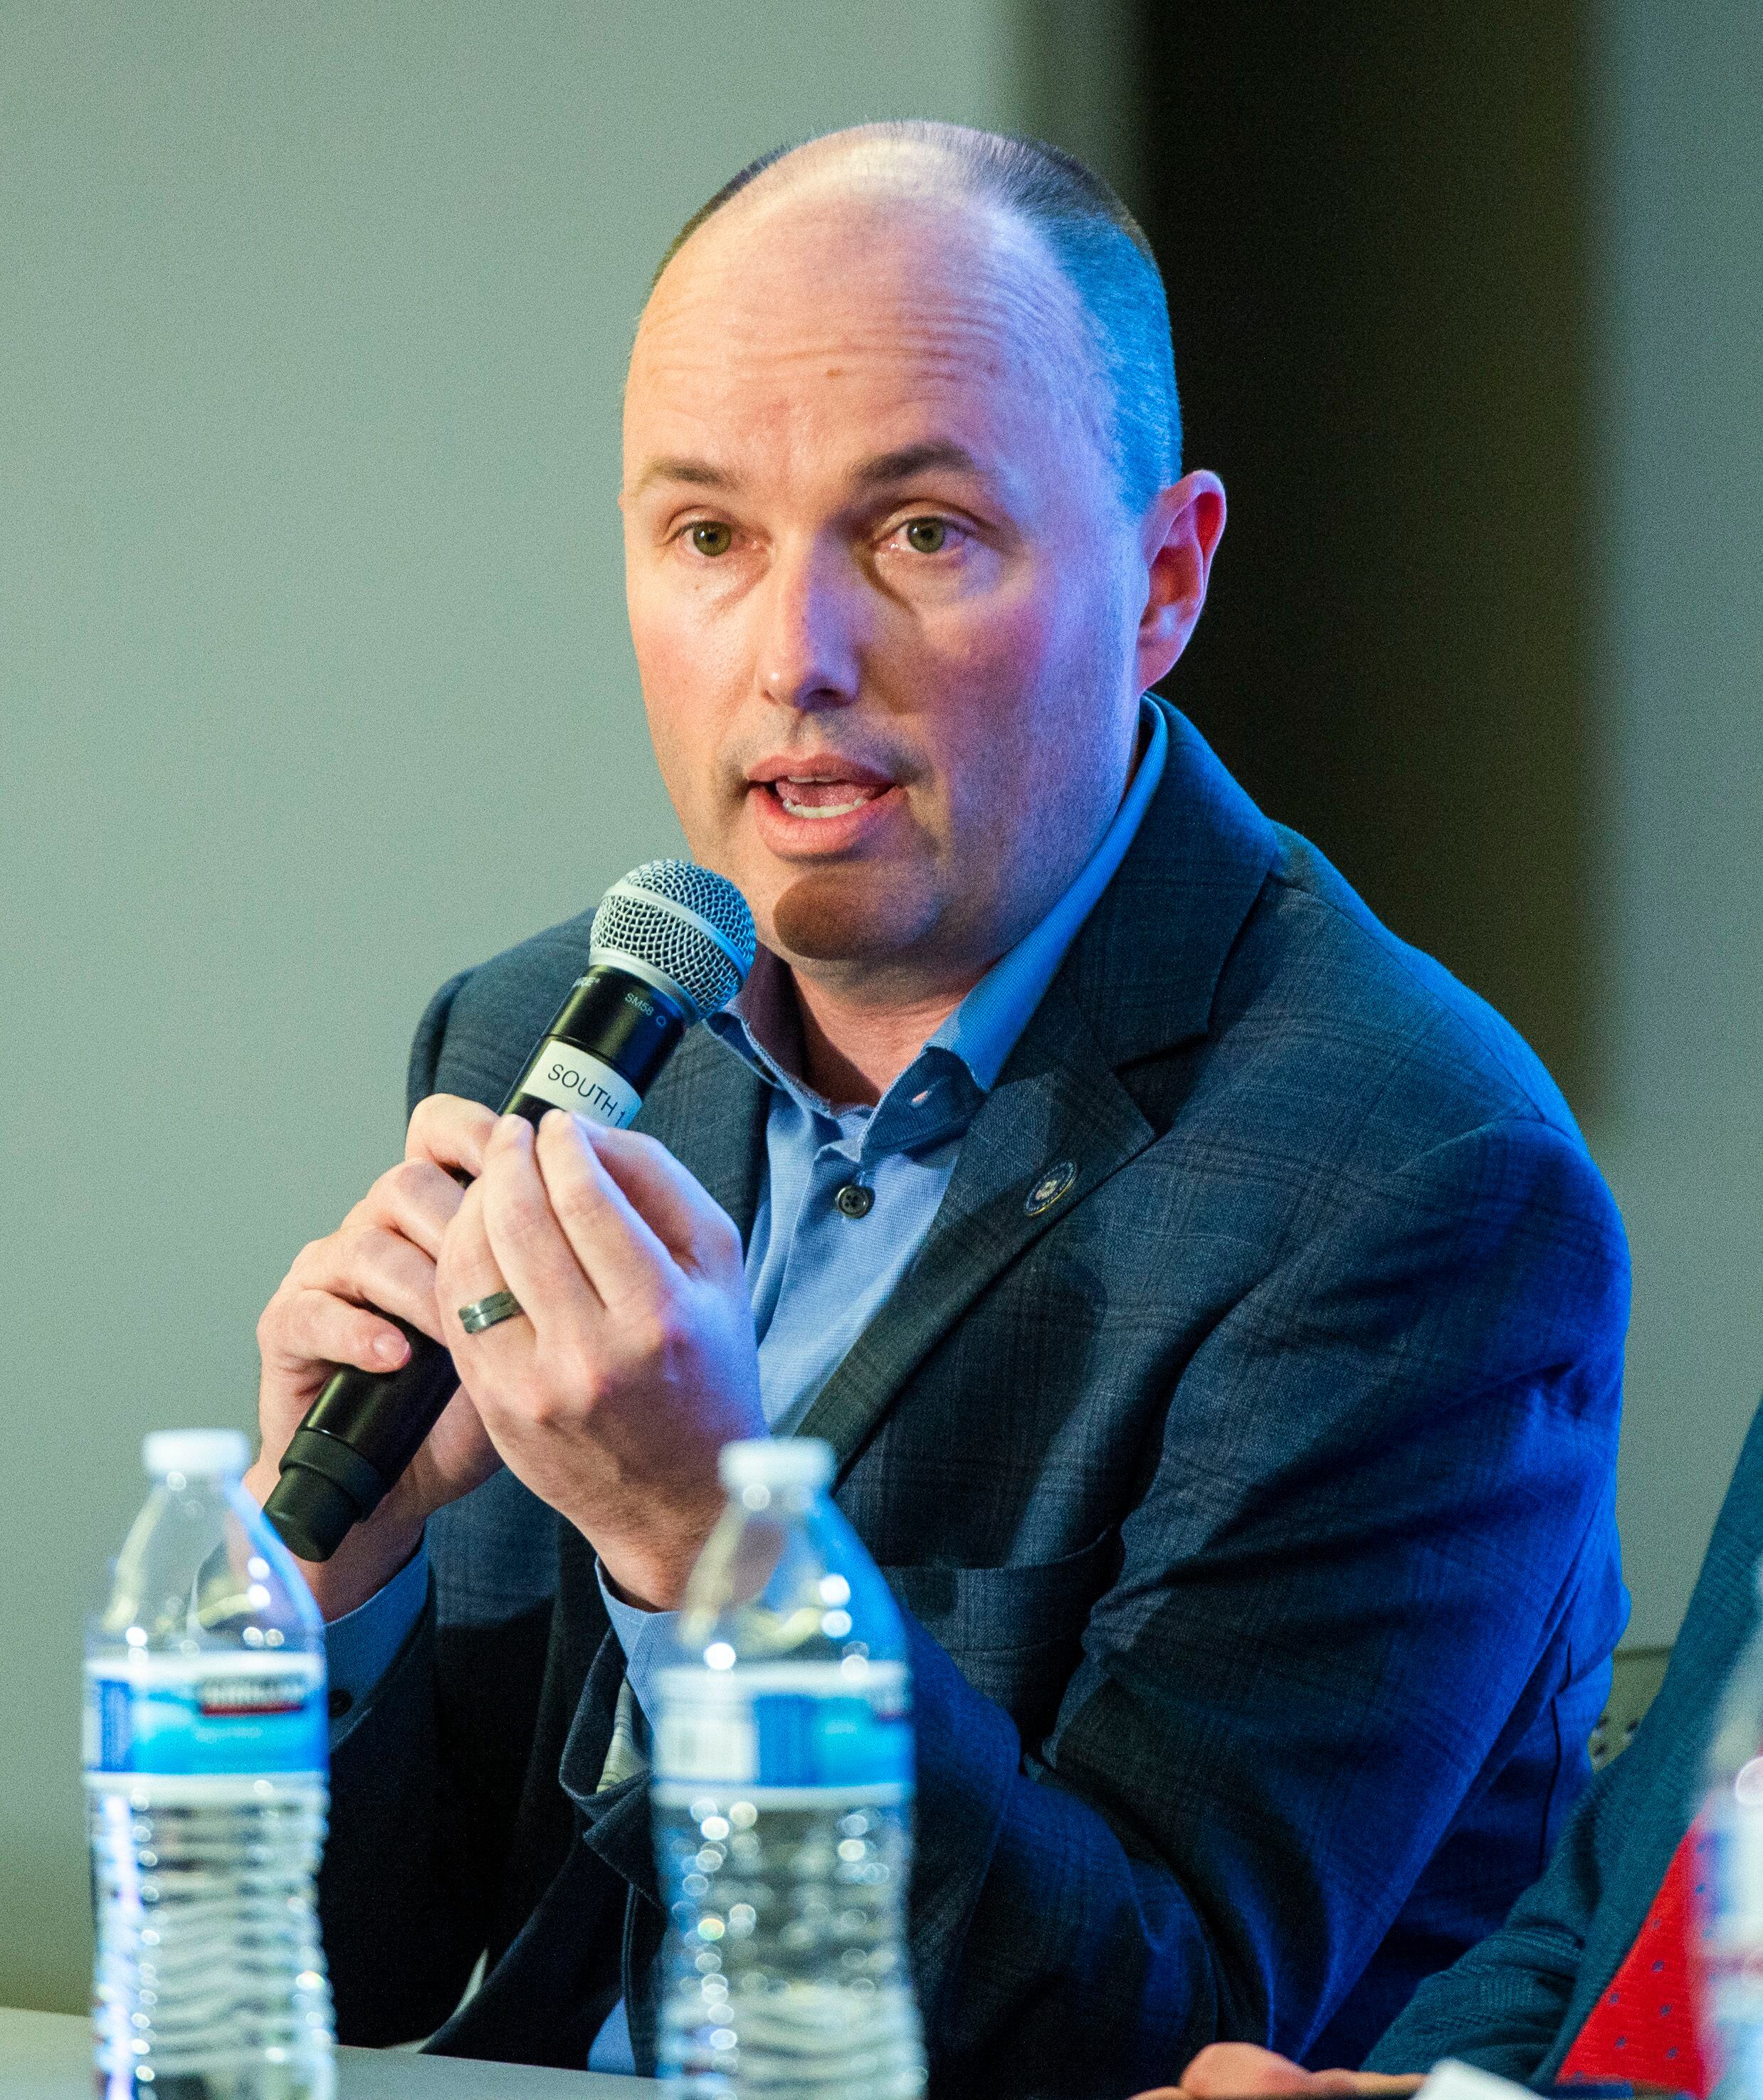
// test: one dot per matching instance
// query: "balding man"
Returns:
(1211, 1305)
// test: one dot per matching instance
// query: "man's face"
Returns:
(881, 583)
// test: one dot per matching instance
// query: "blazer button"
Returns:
(854, 1200)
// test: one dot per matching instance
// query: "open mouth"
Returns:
(817, 797)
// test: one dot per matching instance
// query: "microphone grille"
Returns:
(689, 925)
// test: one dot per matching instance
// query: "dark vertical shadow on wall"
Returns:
(1373, 219)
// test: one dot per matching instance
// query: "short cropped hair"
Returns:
(1098, 244)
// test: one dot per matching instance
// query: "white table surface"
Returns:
(48, 2056)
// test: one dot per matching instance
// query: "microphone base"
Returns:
(324, 1491)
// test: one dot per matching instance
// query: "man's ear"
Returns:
(1182, 529)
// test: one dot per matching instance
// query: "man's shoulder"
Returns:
(1320, 994)
(483, 1022)
(1229, 941)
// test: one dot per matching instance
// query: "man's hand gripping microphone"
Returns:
(670, 942)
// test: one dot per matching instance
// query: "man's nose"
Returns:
(811, 617)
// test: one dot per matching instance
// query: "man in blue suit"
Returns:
(1211, 1305)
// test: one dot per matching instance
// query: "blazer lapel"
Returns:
(1145, 967)
(1055, 1126)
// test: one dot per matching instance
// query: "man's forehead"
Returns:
(849, 427)
(806, 274)
(930, 322)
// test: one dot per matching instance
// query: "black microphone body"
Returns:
(599, 1055)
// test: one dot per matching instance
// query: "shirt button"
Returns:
(854, 1200)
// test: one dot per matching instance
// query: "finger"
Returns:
(467, 1271)
(309, 1327)
(527, 1242)
(506, 1239)
(450, 1130)
(371, 1266)
(619, 1253)
(1238, 2070)
(418, 1200)
(691, 1223)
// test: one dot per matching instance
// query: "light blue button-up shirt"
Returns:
(817, 1274)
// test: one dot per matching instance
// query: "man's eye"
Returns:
(927, 535)
(712, 539)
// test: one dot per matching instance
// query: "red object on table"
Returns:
(1643, 2027)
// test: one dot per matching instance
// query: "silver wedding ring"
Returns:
(489, 1312)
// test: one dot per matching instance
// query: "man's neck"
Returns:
(853, 1050)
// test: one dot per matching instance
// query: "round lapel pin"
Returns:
(1056, 1182)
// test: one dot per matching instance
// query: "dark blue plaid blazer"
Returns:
(1515, 2004)
(1251, 1506)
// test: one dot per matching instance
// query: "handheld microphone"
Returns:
(670, 942)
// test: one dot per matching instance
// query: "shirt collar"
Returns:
(761, 1025)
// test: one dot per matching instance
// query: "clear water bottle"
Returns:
(782, 1788)
(206, 1759)
(1730, 1878)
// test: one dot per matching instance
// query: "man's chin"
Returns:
(847, 914)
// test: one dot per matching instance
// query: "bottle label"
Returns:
(786, 1726)
(572, 1078)
(205, 1716)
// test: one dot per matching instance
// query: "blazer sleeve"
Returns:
(1501, 2005)
(1515, 2004)
(1396, 1452)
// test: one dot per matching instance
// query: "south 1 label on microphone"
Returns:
(572, 1078)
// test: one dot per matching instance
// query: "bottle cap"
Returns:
(775, 1462)
(203, 1452)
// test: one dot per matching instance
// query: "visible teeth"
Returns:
(812, 794)
(821, 809)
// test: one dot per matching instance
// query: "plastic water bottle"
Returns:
(782, 1788)
(206, 1759)
(1730, 1876)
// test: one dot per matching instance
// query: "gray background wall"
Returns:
(310, 339)
(313, 670)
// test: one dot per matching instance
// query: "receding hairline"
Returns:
(867, 160)
(885, 180)
(999, 248)
(1068, 218)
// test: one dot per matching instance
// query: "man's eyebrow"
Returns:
(881, 471)
(910, 460)
(694, 472)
